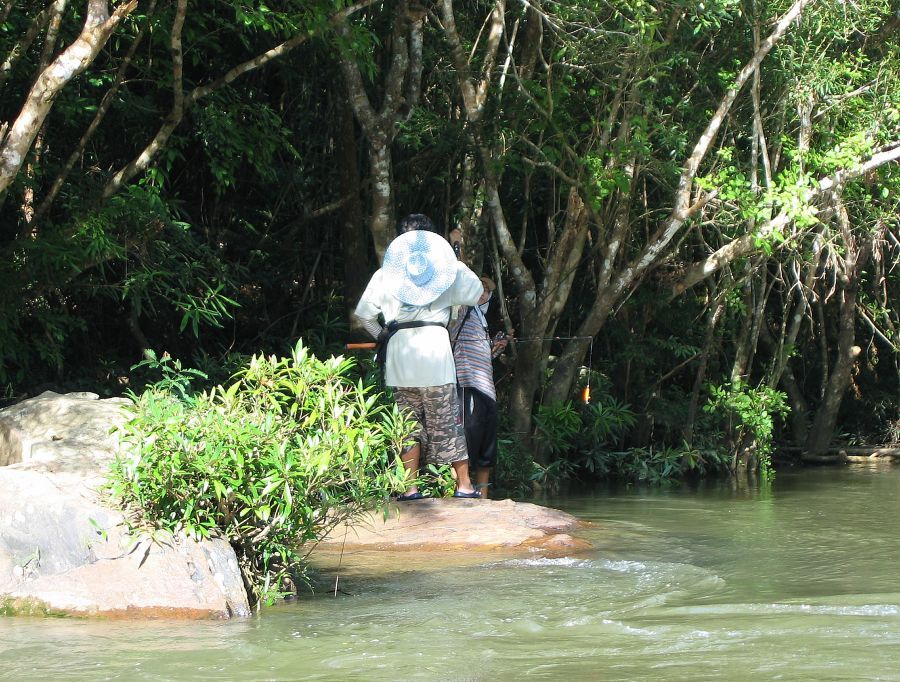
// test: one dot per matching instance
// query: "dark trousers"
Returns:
(479, 415)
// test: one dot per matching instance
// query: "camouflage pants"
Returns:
(435, 409)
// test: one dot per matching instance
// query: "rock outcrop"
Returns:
(64, 551)
(469, 525)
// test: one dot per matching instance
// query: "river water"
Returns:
(799, 580)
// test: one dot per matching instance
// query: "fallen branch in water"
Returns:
(840, 454)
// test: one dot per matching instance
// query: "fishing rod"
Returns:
(585, 394)
(548, 338)
(371, 344)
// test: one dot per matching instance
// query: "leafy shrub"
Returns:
(515, 469)
(436, 480)
(271, 462)
(558, 426)
(749, 417)
(552, 476)
(582, 441)
(581, 438)
(663, 465)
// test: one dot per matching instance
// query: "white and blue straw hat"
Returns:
(418, 267)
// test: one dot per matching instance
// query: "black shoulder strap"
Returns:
(459, 329)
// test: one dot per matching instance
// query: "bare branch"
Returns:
(105, 105)
(490, 52)
(393, 82)
(416, 65)
(874, 327)
(546, 163)
(887, 154)
(682, 209)
(98, 27)
(474, 93)
(269, 55)
(176, 113)
(700, 150)
(37, 25)
(59, 7)
(143, 160)
(747, 243)
(359, 100)
(7, 8)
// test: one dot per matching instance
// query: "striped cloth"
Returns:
(472, 351)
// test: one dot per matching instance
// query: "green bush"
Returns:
(749, 418)
(436, 480)
(271, 461)
(581, 438)
(515, 470)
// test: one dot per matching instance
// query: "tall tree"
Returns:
(399, 93)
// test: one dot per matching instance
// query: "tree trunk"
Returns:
(529, 367)
(825, 420)
(799, 416)
(353, 225)
(784, 376)
(400, 90)
(755, 303)
(715, 313)
(170, 122)
(540, 320)
(850, 265)
(381, 215)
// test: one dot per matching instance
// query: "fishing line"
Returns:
(337, 576)
(586, 393)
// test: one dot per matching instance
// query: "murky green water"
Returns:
(799, 582)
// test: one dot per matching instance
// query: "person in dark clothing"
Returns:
(473, 352)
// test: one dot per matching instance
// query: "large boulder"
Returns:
(64, 550)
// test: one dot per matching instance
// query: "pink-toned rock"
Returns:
(454, 524)
(63, 550)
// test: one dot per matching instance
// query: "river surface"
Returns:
(799, 580)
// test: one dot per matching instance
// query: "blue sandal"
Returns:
(410, 497)
(474, 495)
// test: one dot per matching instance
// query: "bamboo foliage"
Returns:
(671, 184)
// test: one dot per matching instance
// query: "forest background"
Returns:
(689, 207)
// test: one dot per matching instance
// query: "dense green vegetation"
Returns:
(270, 461)
(700, 200)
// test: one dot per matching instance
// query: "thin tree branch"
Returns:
(98, 27)
(59, 7)
(143, 160)
(37, 25)
(875, 330)
(7, 8)
(700, 150)
(105, 105)
(747, 243)
(176, 113)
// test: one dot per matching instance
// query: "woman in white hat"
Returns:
(414, 291)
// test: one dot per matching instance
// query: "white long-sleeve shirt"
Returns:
(420, 356)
